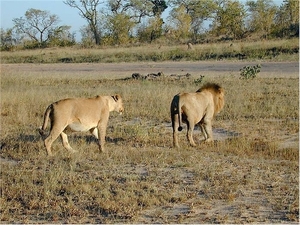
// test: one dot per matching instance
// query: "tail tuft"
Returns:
(179, 128)
(41, 131)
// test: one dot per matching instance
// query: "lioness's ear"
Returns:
(116, 97)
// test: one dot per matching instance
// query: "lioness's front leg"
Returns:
(102, 133)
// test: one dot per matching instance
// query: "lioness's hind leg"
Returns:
(65, 142)
(94, 131)
(48, 143)
(42, 132)
(53, 135)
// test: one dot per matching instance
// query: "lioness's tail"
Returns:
(46, 119)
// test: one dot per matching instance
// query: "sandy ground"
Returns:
(280, 69)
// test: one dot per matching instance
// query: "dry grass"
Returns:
(274, 50)
(141, 179)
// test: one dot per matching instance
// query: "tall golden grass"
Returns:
(276, 50)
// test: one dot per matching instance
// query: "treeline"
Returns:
(129, 22)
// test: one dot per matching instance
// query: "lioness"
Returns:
(196, 108)
(79, 114)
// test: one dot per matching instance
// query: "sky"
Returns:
(11, 9)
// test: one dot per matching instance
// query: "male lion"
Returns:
(79, 114)
(196, 108)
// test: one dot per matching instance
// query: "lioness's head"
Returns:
(119, 104)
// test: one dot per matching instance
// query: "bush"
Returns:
(199, 80)
(250, 72)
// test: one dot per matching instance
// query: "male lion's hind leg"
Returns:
(175, 126)
(203, 131)
(207, 127)
(65, 142)
(189, 134)
(175, 139)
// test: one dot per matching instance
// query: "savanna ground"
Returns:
(250, 174)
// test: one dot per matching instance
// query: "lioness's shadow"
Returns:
(29, 138)
(15, 142)
(91, 139)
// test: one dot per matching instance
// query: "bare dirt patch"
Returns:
(118, 70)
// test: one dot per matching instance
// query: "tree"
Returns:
(36, 24)
(151, 31)
(137, 9)
(123, 15)
(119, 28)
(287, 19)
(262, 15)
(198, 10)
(88, 9)
(292, 6)
(61, 36)
(155, 24)
(230, 19)
(182, 22)
(159, 6)
(7, 39)
(87, 37)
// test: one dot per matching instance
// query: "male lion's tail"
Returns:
(46, 119)
(179, 114)
(176, 109)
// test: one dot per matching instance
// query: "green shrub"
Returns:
(199, 80)
(250, 72)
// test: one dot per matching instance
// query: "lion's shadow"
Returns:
(36, 138)
(89, 139)
(33, 138)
